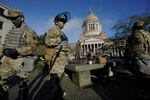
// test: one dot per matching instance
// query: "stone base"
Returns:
(82, 79)
(81, 74)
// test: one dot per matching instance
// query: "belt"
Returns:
(52, 46)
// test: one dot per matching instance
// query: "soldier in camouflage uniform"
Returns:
(138, 49)
(57, 42)
(20, 42)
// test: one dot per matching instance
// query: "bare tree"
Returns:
(123, 28)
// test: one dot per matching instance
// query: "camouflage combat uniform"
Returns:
(138, 49)
(56, 39)
(24, 40)
(138, 43)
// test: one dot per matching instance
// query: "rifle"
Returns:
(52, 62)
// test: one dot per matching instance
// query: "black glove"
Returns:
(13, 53)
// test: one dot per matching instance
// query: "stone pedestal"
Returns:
(81, 74)
(82, 78)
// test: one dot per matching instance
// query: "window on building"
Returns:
(82, 46)
(96, 26)
(1, 12)
(92, 47)
(1, 25)
(91, 27)
(86, 47)
(96, 46)
(99, 45)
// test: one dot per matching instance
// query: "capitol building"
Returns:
(92, 37)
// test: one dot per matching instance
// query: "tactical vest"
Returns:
(142, 47)
(15, 38)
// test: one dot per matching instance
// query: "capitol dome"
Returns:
(91, 24)
(91, 16)
(92, 36)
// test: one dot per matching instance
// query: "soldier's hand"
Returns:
(13, 53)
(1, 52)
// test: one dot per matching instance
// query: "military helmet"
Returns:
(64, 16)
(139, 23)
(14, 13)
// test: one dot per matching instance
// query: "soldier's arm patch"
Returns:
(52, 37)
(53, 33)
(138, 38)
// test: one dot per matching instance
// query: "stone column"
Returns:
(91, 46)
(98, 45)
(88, 46)
(94, 49)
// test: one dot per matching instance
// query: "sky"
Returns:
(39, 14)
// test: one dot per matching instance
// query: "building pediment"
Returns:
(92, 40)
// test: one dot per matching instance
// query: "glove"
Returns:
(13, 53)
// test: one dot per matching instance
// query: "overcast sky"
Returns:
(39, 14)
